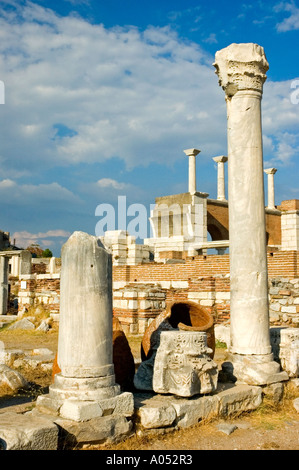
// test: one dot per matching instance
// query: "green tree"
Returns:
(47, 253)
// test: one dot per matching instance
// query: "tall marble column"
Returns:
(191, 153)
(271, 194)
(241, 69)
(220, 177)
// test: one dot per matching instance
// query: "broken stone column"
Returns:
(52, 265)
(271, 194)
(25, 264)
(4, 260)
(241, 69)
(85, 388)
(191, 153)
(220, 177)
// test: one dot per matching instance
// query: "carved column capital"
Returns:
(220, 159)
(241, 67)
(270, 171)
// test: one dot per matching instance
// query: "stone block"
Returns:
(97, 430)
(157, 416)
(222, 334)
(274, 391)
(207, 303)
(165, 284)
(12, 378)
(289, 351)
(8, 357)
(77, 410)
(275, 306)
(132, 304)
(27, 432)
(130, 294)
(180, 284)
(145, 304)
(274, 316)
(117, 303)
(117, 294)
(227, 401)
(222, 295)
(289, 309)
(183, 365)
(23, 324)
(237, 399)
(190, 412)
(253, 370)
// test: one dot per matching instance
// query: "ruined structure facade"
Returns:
(142, 286)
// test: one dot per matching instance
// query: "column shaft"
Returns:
(271, 197)
(248, 261)
(220, 182)
(85, 329)
(192, 174)
(3, 284)
(271, 201)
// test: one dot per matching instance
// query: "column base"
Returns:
(253, 369)
(82, 399)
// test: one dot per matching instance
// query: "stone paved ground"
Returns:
(268, 428)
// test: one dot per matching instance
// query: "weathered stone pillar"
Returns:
(25, 264)
(15, 264)
(3, 284)
(85, 309)
(52, 265)
(271, 195)
(191, 153)
(241, 69)
(220, 177)
(86, 386)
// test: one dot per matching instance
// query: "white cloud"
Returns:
(109, 182)
(29, 194)
(123, 92)
(280, 123)
(107, 190)
(291, 22)
(25, 238)
(140, 96)
(211, 39)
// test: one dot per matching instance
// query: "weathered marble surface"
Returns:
(86, 386)
(183, 365)
(289, 351)
(241, 69)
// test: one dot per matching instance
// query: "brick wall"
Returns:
(39, 289)
(279, 264)
(141, 292)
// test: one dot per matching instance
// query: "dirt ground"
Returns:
(271, 427)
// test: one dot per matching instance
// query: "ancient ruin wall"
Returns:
(141, 292)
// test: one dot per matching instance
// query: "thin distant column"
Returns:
(271, 194)
(191, 153)
(220, 177)
(3, 284)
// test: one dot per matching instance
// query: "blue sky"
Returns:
(102, 97)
